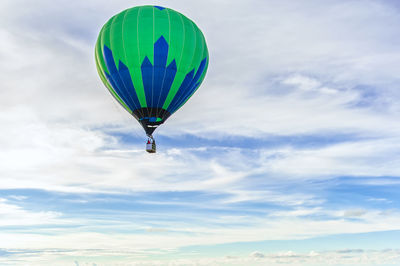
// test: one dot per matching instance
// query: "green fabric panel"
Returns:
(146, 33)
(176, 36)
(115, 39)
(198, 51)
(136, 74)
(161, 25)
(130, 42)
(189, 44)
(176, 45)
(145, 42)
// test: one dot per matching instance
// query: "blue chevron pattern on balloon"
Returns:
(157, 79)
(187, 88)
(121, 80)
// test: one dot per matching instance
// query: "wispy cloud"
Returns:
(14, 215)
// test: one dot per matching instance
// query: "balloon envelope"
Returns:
(152, 59)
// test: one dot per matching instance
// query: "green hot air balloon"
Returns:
(152, 59)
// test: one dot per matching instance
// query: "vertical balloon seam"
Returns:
(165, 67)
(138, 78)
(169, 73)
(152, 69)
(180, 66)
(176, 66)
(138, 46)
(198, 55)
(127, 64)
(146, 65)
(170, 20)
(144, 88)
(130, 93)
(175, 86)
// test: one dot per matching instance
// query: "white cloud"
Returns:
(375, 157)
(302, 82)
(14, 215)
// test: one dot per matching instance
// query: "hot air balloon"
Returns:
(151, 59)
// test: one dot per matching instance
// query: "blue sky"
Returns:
(288, 153)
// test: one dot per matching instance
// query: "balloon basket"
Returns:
(151, 145)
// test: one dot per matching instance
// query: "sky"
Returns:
(288, 154)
